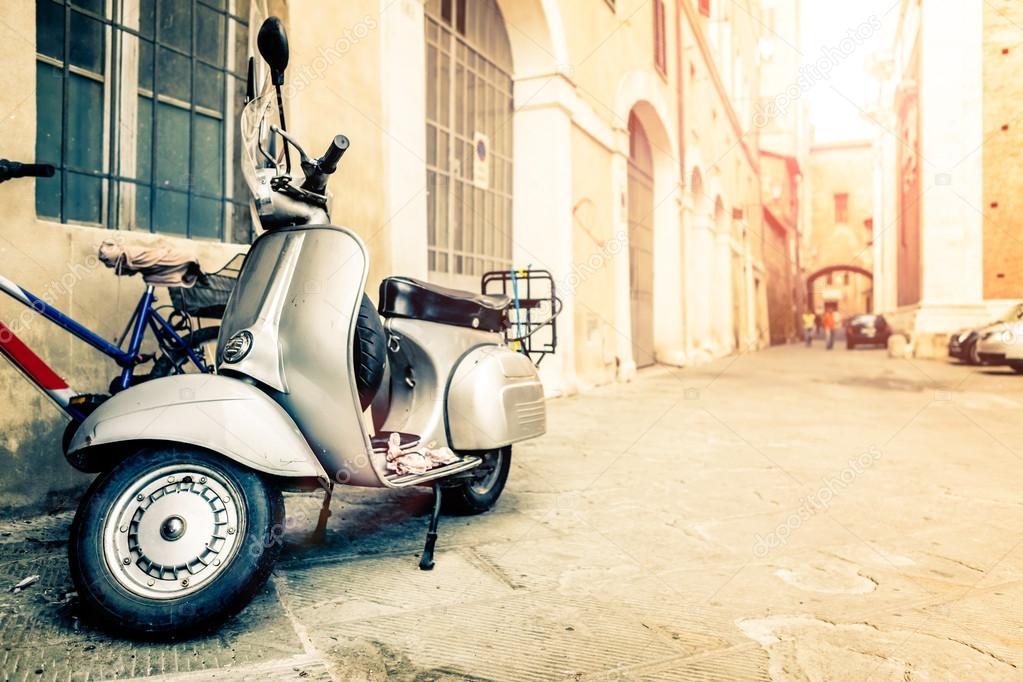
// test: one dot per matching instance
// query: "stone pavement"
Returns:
(790, 514)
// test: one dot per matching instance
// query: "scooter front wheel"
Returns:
(172, 541)
(479, 494)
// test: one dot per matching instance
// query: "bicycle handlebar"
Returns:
(14, 169)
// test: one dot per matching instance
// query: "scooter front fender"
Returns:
(218, 413)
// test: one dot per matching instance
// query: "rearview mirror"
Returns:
(273, 46)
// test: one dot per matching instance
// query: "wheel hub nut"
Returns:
(173, 528)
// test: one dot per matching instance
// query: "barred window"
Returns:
(137, 106)
(660, 44)
(468, 137)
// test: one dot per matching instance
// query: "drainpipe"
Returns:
(683, 180)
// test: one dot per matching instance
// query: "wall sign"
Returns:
(480, 160)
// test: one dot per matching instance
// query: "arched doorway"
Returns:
(842, 293)
(641, 243)
(469, 140)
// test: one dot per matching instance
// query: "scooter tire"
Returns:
(370, 352)
(478, 495)
(123, 603)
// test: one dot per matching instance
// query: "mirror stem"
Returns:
(280, 110)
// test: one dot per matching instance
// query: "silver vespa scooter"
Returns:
(182, 526)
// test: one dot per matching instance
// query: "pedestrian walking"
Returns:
(829, 329)
(809, 322)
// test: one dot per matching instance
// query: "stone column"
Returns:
(403, 94)
(542, 207)
(722, 311)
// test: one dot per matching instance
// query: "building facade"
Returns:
(782, 120)
(946, 244)
(612, 142)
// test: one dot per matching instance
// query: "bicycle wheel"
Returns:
(202, 342)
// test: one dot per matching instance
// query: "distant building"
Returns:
(947, 247)
(782, 118)
(838, 250)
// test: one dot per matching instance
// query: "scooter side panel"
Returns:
(431, 351)
(217, 413)
(495, 398)
(298, 297)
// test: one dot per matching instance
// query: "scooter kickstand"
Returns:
(320, 534)
(426, 563)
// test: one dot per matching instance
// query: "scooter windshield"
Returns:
(261, 151)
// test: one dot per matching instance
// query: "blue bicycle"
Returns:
(182, 343)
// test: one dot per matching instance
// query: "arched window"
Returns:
(468, 137)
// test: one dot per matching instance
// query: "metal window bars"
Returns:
(115, 179)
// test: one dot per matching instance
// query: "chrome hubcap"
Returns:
(173, 531)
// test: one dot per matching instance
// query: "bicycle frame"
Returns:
(51, 383)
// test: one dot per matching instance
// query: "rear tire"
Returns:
(1017, 367)
(172, 541)
(479, 494)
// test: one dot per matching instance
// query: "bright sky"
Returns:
(836, 99)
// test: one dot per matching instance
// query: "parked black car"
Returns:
(863, 330)
(963, 346)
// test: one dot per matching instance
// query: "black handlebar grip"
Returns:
(13, 169)
(38, 170)
(328, 162)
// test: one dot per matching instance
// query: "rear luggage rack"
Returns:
(208, 297)
(532, 316)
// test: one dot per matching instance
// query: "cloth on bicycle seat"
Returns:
(159, 265)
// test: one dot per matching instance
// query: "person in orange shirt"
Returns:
(829, 328)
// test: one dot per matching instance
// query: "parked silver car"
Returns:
(1001, 343)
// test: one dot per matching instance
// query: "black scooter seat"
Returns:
(418, 300)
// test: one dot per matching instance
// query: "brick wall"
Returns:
(1003, 149)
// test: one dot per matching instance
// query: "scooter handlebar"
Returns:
(328, 162)
(316, 181)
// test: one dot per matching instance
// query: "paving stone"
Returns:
(627, 547)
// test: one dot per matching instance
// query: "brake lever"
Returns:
(284, 184)
(308, 165)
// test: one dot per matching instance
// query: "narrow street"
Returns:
(788, 514)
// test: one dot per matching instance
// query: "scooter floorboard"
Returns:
(464, 464)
